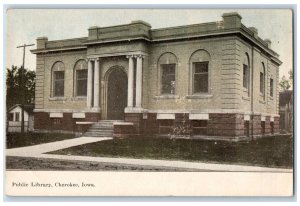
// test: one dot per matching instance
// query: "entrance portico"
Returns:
(135, 65)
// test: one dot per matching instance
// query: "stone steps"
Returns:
(103, 128)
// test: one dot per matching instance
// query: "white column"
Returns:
(96, 82)
(139, 81)
(130, 82)
(89, 84)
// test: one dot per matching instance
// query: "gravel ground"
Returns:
(42, 164)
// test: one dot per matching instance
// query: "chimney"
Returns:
(41, 42)
(93, 33)
(268, 42)
(255, 31)
(232, 20)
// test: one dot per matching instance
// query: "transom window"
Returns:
(59, 78)
(167, 63)
(199, 72)
(80, 79)
(246, 74)
(200, 77)
(168, 79)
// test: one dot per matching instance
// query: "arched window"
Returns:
(58, 79)
(167, 68)
(199, 64)
(262, 80)
(80, 78)
(246, 71)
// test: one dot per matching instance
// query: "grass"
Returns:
(269, 152)
(14, 140)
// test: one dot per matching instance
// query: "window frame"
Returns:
(162, 78)
(262, 81)
(57, 67)
(81, 79)
(271, 87)
(246, 76)
(17, 114)
(11, 114)
(166, 58)
(200, 73)
(79, 65)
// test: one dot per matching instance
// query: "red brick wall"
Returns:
(137, 120)
(255, 125)
(42, 121)
(123, 130)
(225, 125)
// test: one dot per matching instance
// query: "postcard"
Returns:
(149, 102)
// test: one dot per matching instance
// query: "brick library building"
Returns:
(216, 79)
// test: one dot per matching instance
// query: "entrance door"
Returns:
(116, 94)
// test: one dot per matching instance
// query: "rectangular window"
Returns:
(59, 78)
(168, 79)
(165, 126)
(245, 76)
(81, 82)
(199, 127)
(11, 117)
(56, 121)
(271, 87)
(200, 77)
(17, 118)
(261, 86)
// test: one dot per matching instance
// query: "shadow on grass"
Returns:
(269, 152)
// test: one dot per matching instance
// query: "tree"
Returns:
(16, 93)
(286, 83)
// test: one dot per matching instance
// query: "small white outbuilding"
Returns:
(15, 118)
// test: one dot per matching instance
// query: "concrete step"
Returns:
(100, 129)
(104, 128)
(97, 135)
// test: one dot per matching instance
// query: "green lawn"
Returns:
(14, 140)
(270, 152)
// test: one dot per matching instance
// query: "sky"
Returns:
(25, 25)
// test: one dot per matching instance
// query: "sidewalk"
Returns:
(37, 151)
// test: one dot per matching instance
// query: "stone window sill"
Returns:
(246, 98)
(199, 96)
(57, 98)
(78, 98)
(167, 97)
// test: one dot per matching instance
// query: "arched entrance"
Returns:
(116, 93)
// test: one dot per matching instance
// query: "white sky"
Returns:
(25, 25)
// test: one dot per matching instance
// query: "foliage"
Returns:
(286, 83)
(18, 92)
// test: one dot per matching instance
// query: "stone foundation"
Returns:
(43, 121)
(218, 125)
(137, 124)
